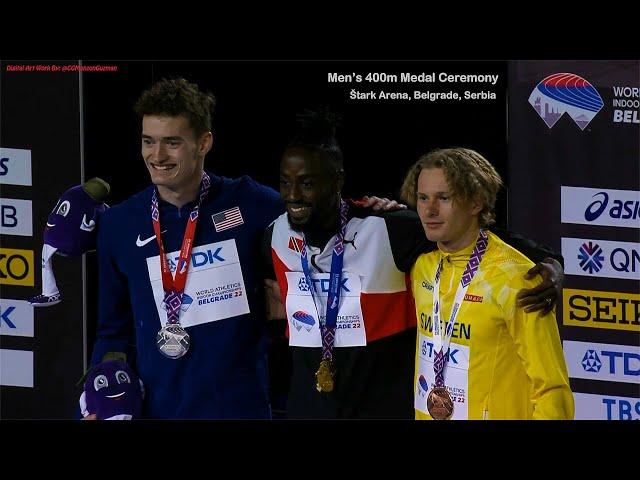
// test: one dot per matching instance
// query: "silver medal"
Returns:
(173, 341)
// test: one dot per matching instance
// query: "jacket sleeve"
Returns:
(533, 250)
(538, 344)
(114, 332)
(407, 238)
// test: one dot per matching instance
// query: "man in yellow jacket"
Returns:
(477, 355)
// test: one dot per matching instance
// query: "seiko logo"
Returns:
(613, 310)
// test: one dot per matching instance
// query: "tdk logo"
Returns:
(620, 362)
(568, 93)
(200, 259)
(303, 285)
(427, 351)
(321, 284)
(16, 318)
(590, 256)
(5, 317)
(591, 362)
(619, 209)
(602, 361)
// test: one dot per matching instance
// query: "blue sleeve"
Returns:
(114, 332)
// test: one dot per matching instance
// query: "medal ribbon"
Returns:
(328, 326)
(441, 345)
(174, 288)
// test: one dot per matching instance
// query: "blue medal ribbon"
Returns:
(328, 326)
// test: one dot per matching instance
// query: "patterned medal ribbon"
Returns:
(441, 345)
(174, 288)
(328, 326)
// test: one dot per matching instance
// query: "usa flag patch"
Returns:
(227, 219)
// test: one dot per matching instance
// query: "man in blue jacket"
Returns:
(196, 321)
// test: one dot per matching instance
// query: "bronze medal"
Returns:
(324, 376)
(440, 404)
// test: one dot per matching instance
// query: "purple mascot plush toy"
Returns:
(112, 391)
(70, 232)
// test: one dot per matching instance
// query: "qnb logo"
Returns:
(591, 362)
(590, 256)
(629, 209)
(199, 259)
(302, 319)
(568, 93)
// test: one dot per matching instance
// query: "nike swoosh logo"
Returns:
(142, 243)
(51, 225)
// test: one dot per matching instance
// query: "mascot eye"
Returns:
(122, 377)
(64, 208)
(100, 382)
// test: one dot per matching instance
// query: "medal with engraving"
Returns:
(172, 340)
(324, 376)
(440, 403)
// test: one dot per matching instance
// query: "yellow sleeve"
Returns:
(538, 344)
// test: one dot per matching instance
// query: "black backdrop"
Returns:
(257, 103)
(253, 120)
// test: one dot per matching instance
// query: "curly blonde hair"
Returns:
(468, 174)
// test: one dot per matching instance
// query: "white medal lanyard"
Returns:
(472, 268)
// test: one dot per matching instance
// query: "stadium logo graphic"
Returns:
(590, 256)
(591, 362)
(303, 319)
(562, 93)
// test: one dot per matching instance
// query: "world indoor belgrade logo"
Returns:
(562, 93)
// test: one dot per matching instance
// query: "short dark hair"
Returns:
(175, 97)
(317, 132)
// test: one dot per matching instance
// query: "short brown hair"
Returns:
(468, 174)
(175, 97)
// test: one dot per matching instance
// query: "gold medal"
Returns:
(440, 404)
(324, 376)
